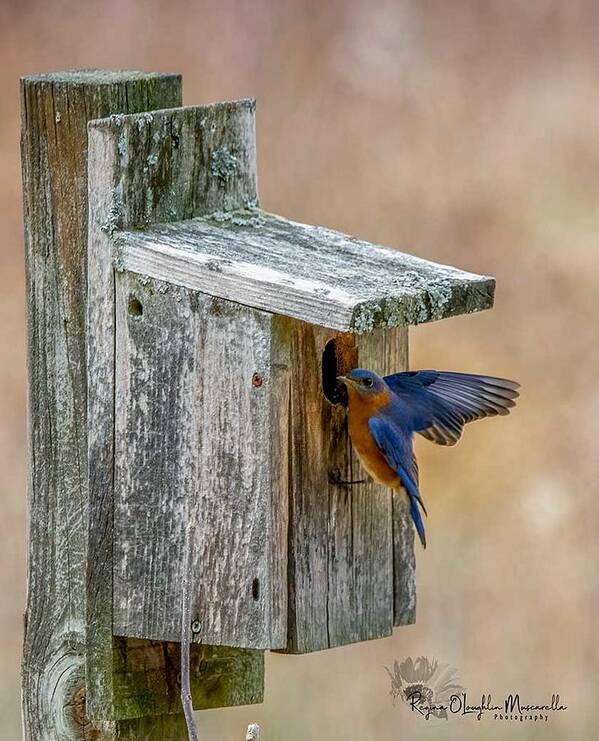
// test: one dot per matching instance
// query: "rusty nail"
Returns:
(256, 380)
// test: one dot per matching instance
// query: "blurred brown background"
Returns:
(464, 132)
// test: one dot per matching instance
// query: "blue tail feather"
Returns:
(396, 446)
(415, 500)
(415, 512)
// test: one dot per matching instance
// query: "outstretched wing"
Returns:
(437, 404)
(396, 447)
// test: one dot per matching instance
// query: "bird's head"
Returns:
(364, 382)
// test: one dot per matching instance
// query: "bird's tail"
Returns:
(409, 482)
(417, 518)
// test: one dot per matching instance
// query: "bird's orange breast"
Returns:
(361, 409)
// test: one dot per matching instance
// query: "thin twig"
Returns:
(186, 701)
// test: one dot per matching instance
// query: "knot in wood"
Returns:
(79, 707)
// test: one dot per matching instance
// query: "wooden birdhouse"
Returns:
(216, 332)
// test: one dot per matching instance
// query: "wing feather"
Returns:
(437, 404)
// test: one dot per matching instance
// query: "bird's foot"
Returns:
(337, 481)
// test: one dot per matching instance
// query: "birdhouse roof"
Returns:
(307, 272)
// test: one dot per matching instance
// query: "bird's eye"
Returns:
(367, 382)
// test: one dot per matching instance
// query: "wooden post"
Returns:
(56, 109)
(55, 112)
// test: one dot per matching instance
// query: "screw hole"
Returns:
(176, 141)
(256, 589)
(135, 308)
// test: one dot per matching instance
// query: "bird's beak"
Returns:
(345, 380)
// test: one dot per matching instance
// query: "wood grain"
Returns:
(147, 681)
(351, 573)
(310, 273)
(55, 112)
(201, 399)
(160, 166)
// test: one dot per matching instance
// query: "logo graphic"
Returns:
(425, 685)
(433, 690)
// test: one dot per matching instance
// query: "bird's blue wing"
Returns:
(396, 446)
(437, 404)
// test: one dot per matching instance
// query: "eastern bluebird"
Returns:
(384, 414)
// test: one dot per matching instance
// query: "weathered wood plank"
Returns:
(201, 399)
(166, 165)
(347, 575)
(55, 112)
(306, 272)
(385, 353)
(173, 165)
(404, 563)
(147, 677)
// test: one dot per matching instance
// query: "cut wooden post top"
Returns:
(307, 272)
(94, 77)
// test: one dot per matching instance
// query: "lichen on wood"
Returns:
(55, 111)
(305, 272)
(147, 168)
(186, 441)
